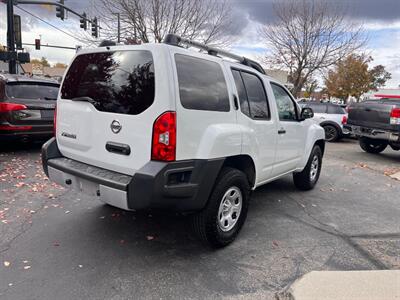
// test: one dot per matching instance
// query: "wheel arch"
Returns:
(336, 125)
(243, 163)
(321, 144)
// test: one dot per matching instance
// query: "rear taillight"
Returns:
(344, 120)
(395, 116)
(164, 137)
(6, 107)
(55, 122)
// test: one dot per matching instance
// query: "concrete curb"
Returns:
(345, 285)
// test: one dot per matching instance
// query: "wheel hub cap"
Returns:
(230, 209)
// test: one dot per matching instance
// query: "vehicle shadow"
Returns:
(17, 147)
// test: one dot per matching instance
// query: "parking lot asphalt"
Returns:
(57, 244)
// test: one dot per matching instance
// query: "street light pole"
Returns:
(12, 64)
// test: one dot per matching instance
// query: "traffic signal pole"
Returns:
(12, 64)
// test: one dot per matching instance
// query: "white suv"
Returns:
(158, 126)
(332, 117)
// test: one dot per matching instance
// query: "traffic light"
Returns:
(95, 30)
(37, 44)
(60, 11)
(83, 21)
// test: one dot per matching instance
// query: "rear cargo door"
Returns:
(107, 109)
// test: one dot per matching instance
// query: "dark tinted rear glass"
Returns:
(244, 104)
(119, 82)
(318, 108)
(336, 109)
(256, 96)
(34, 90)
(202, 84)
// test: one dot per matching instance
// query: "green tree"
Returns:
(353, 76)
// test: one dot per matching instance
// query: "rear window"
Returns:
(34, 90)
(202, 84)
(118, 82)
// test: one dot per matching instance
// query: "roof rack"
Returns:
(176, 40)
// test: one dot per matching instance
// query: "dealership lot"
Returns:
(57, 244)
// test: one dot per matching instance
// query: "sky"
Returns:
(381, 19)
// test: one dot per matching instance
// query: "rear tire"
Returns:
(220, 221)
(308, 178)
(332, 134)
(371, 145)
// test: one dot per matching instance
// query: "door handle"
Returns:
(118, 148)
(281, 131)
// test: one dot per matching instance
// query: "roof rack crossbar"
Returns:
(176, 40)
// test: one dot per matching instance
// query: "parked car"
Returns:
(376, 123)
(331, 117)
(26, 107)
(158, 126)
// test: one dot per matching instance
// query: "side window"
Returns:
(333, 109)
(285, 104)
(256, 96)
(318, 108)
(202, 84)
(244, 104)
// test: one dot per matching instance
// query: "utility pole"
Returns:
(119, 28)
(12, 64)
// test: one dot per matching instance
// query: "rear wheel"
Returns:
(307, 179)
(371, 145)
(332, 134)
(220, 221)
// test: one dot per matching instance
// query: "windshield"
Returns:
(119, 82)
(34, 90)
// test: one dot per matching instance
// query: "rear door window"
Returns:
(202, 84)
(118, 82)
(252, 96)
(31, 90)
(336, 109)
(318, 108)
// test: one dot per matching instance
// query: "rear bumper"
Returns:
(378, 134)
(40, 132)
(177, 186)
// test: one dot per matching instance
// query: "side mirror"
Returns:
(306, 113)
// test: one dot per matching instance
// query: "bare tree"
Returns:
(147, 21)
(309, 36)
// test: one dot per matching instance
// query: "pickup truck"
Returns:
(376, 123)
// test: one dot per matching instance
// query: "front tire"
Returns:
(308, 178)
(220, 221)
(371, 145)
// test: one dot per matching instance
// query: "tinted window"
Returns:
(336, 109)
(32, 90)
(318, 108)
(285, 104)
(244, 104)
(256, 96)
(202, 84)
(119, 82)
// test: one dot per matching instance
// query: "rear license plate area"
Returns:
(47, 114)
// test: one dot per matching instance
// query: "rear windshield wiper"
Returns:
(84, 98)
